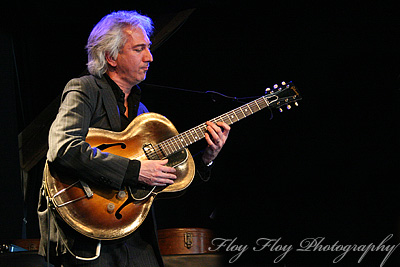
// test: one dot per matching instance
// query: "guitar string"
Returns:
(171, 145)
(179, 142)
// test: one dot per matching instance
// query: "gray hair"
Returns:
(108, 37)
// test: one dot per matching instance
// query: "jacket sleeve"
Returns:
(203, 172)
(67, 147)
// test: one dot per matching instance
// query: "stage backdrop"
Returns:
(327, 169)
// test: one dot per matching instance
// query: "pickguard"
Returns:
(142, 191)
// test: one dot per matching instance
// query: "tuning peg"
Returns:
(280, 110)
(275, 86)
(296, 104)
(267, 90)
(283, 83)
(288, 106)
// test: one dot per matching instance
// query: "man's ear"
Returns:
(110, 60)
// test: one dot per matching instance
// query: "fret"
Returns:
(161, 148)
(251, 106)
(174, 144)
(247, 110)
(215, 120)
(183, 140)
(171, 148)
(162, 153)
(197, 136)
(204, 128)
(256, 105)
(228, 115)
(198, 133)
(178, 142)
(239, 113)
(193, 137)
(166, 148)
(187, 139)
(266, 102)
(171, 144)
(261, 103)
(234, 113)
(226, 119)
(244, 115)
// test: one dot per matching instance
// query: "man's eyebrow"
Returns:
(143, 45)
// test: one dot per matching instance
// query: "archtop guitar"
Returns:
(105, 214)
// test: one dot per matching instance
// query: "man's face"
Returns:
(134, 58)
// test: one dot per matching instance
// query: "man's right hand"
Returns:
(156, 173)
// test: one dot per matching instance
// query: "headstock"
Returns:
(282, 95)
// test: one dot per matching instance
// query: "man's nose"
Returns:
(148, 57)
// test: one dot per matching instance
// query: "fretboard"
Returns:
(180, 141)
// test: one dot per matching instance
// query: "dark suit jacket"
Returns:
(86, 102)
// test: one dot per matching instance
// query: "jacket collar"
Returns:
(110, 103)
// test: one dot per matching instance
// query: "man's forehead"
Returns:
(137, 34)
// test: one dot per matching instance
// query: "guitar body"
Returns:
(105, 214)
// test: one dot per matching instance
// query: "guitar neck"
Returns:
(180, 141)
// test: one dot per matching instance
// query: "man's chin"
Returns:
(140, 79)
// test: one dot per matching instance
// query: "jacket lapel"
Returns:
(110, 104)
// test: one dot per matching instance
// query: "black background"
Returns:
(328, 168)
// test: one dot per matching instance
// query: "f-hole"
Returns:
(105, 146)
(118, 215)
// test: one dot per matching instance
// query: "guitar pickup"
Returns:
(150, 152)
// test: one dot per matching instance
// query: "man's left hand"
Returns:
(216, 136)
